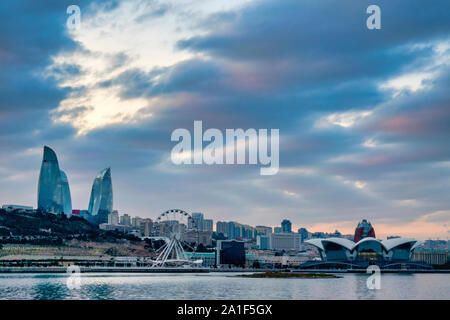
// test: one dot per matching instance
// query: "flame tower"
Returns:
(101, 201)
(53, 186)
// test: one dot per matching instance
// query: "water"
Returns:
(221, 286)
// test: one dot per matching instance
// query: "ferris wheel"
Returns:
(180, 232)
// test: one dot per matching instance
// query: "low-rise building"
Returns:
(432, 257)
(230, 253)
(115, 227)
(12, 207)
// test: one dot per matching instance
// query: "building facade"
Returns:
(113, 217)
(208, 225)
(263, 242)
(197, 221)
(364, 230)
(125, 220)
(432, 257)
(101, 201)
(286, 226)
(366, 251)
(222, 227)
(263, 230)
(284, 241)
(230, 252)
(53, 186)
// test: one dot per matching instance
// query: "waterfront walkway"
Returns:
(60, 269)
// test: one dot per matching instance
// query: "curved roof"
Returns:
(392, 243)
(418, 243)
(350, 245)
(316, 242)
(369, 239)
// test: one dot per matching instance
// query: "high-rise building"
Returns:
(67, 199)
(53, 186)
(113, 217)
(208, 225)
(146, 227)
(101, 201)
(264, 231)
(248, 232)
(199, 237)
(277, 230)
(364, 230)
(197, 219)
(286, 226)
(263, 242)
(125, 220)
(222, 227)
(304, 234)
(136, 222)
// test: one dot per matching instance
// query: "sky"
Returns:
(363, 115)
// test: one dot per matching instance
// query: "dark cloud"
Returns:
(284, 65)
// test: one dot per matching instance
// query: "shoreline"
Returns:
(25, 270)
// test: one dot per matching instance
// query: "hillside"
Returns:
(37, 228)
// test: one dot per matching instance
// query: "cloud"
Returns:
(363, 115)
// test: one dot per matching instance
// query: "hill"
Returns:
(40, 228)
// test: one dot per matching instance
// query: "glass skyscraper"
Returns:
(286, 226)
(53, 186)
(67, 200)
(101, 202)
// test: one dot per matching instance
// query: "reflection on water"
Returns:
(221, 286)
(48, 291)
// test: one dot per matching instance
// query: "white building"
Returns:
(284, 241)
(113, 217)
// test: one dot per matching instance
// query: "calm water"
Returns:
(221, 286)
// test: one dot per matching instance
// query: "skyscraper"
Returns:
(304, 234)
(67, 199)
(286, 226)
(101, 202)
(208, 225)
(53, 186)
(197, 218)
(222, 227)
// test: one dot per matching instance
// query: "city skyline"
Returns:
(363, 114)
(101, 201)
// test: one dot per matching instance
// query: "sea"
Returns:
(219, 286)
